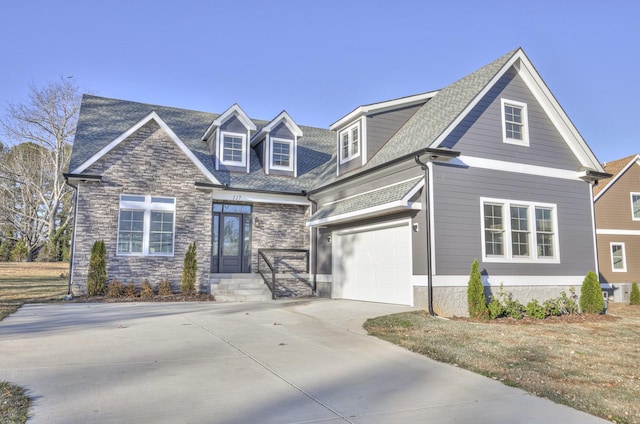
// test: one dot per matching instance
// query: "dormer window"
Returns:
(514, 123)
(281, 154)
(350, 142)
(233, 149)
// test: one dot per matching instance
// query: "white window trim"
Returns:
(624, 257)
(508, 256)
(350, 155)
(243, 161)
(525, 123)
(291, 156)
(147, 206)
(633, 217)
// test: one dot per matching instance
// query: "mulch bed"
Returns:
(156, 298)
(563, 319)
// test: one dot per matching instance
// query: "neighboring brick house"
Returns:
(617, 209)
(393, 201)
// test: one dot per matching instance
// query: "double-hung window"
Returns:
(514, 122)
(514, 231)
(618, 257)
(635, 206)
(350, 142)
(232, 149)
(146, 225)
(282, 154)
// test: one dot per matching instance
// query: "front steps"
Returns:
(239, 288)
(252, 288)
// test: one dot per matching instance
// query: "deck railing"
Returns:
(282, 263)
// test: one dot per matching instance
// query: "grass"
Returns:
(591, 365)
(31, 282)
(21, 283)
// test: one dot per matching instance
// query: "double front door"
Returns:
(231, 250)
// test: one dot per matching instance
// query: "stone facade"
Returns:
(452, 301)
(280, 227)
(146, 163)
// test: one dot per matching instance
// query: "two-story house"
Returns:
(617, 207)
(393, 201)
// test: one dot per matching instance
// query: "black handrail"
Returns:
(261, 254)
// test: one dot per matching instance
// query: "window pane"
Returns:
(617, 256)
(345, 145)
(520, 230)
(543, 220)
(232, 149)
(161, 234)
(545, 245)
(494, 234)
(162, 200)
(130, 231)
(281, 153)
(355, 141)
(231, 236)
(635, 200)
(129, 198)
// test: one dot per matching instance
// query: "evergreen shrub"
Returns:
(97, 275)
(591, 298)
(475, 294)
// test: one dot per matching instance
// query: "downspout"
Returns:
(73, 238)
(314, 241)
(425, 168)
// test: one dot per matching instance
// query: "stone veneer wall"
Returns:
(280, 227)
(147, 163)
(452, 301)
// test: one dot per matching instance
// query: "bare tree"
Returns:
(40, 133)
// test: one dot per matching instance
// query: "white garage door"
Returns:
(373, 263)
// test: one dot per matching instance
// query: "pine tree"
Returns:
(475, 294)
(97, 277)
(189, 270)
(591, 298)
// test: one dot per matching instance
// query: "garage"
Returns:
(373, 263)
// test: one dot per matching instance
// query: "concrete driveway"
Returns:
(275, 362)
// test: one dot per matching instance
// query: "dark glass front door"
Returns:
(231, 238)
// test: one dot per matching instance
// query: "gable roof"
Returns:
(282, 117)
(104, 121)
(616, 168)
(439, 116)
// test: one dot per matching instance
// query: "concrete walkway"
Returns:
(275, 362)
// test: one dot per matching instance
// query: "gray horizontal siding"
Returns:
(281, 131)
(233, 124)
(457, 193)
(480, 133)
(382, 126)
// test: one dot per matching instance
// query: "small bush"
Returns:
(146, 290)
(513, 308)
(535, 310)
(115, 289)
(496, 310)
(97, 276)
(475, 294)
(164, 288)
(591, 298)
(130, 290)
(634, 298)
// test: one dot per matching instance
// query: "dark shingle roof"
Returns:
(371, 199)
(102, 120)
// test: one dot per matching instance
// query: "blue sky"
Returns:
(321, 59)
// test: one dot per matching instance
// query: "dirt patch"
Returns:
(172, 298)
(563, 319)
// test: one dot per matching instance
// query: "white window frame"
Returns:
(633, 215)
(243, 137)
(349, 132)
(525, 122)
(507, 248)
(271, 153)
(624, 257)
(147, 206)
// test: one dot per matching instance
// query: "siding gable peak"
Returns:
(618, 169)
